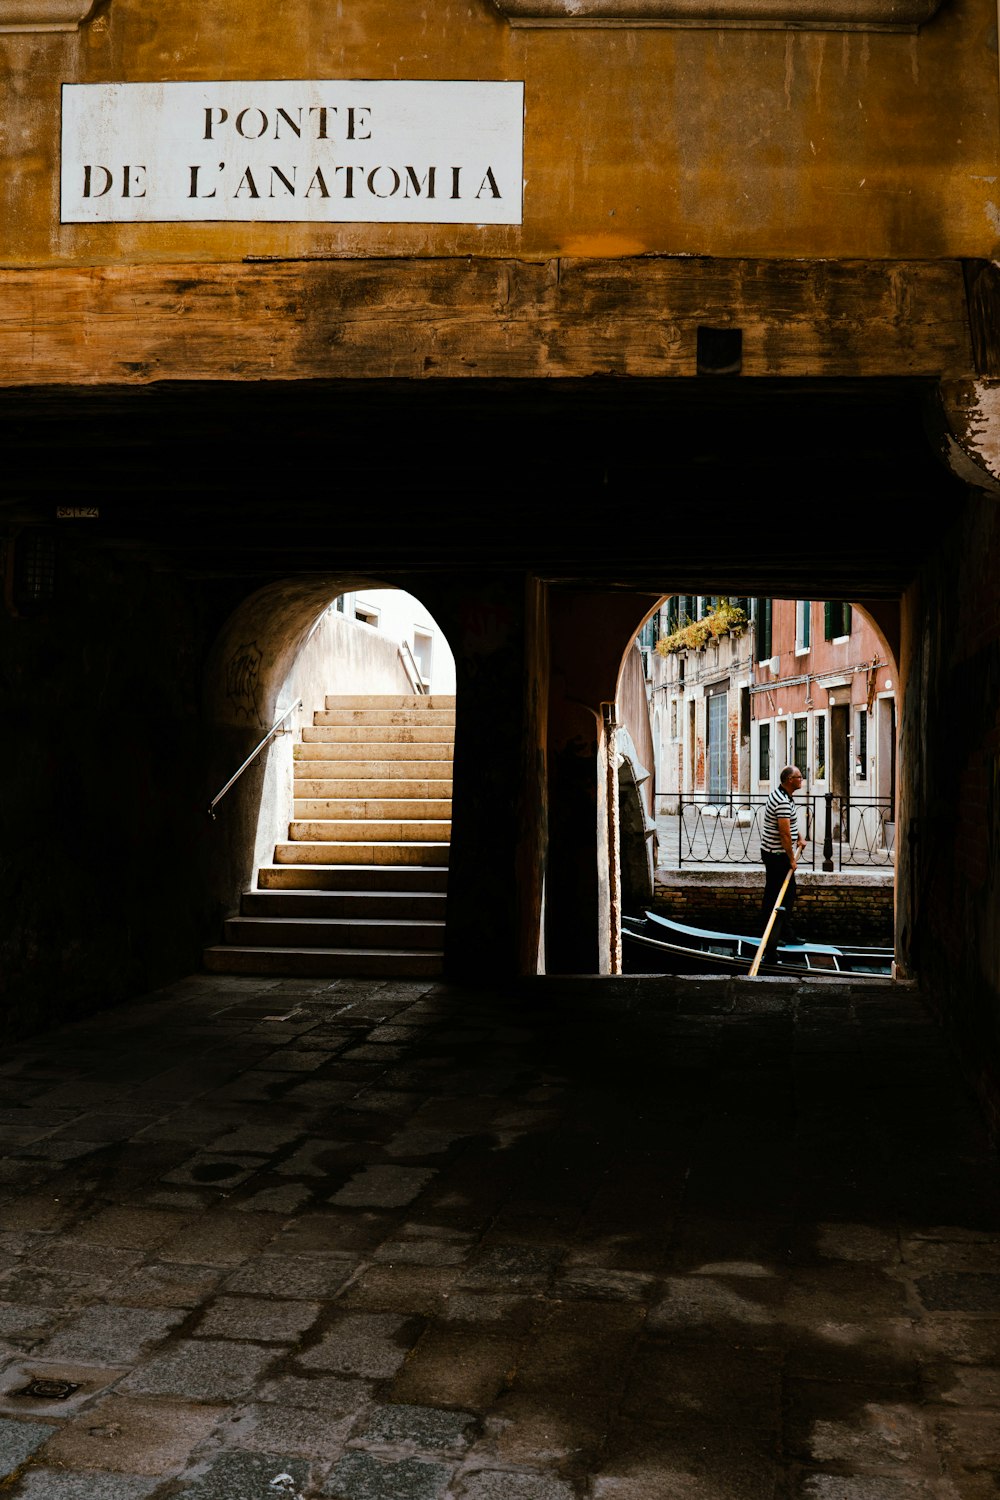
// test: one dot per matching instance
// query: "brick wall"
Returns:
(848, 908)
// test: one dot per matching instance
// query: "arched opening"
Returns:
(704, 740)
(337, 832)
(741, 688)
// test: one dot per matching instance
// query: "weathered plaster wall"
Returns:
(338, 656)
(591, 632)
(701, 142)
(251, 660)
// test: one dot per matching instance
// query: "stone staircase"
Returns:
(360, 886)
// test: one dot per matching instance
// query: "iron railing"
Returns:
(843, 831)
(412, 670)
(269, 736)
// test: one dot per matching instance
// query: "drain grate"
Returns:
(49, 1390)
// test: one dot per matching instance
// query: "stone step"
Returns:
(418, 701)
(354, 963)
(365, 789)
(440, 718)
(353, 878)
(340, 808)
(369, 853)
(378, 752)
(334, 932)
(360, 886)
(388, 734)
(324, 760)
(391, 906)
(356, 830)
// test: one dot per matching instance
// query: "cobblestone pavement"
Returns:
(623, 1240)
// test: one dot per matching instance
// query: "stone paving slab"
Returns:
(249, 1476)
(19, 1440)
(57, 1484)
(359, 1476)
(662, 1240)
(128, 1435)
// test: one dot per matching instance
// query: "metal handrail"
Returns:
(407, 658)
(252, 756)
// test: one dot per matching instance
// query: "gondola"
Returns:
(655, 944)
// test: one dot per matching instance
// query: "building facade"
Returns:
(407, 621)
(824, 698)
(699, 688)
(740, 688)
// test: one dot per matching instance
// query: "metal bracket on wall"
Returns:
(44, 15)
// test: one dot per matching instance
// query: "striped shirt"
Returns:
(778, 805)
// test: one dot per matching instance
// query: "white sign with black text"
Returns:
(388, 151)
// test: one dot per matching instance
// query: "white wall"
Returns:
(339, 656)
(401, 617)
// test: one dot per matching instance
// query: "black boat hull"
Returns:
(655, 945)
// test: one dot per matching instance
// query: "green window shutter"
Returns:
(763, 629)
(836, 620)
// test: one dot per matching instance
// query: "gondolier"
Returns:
(780, 847)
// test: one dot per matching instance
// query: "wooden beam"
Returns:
(44, 15)
(803, 15)
(416, 319)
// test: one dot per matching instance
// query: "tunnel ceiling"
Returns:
(750, 486)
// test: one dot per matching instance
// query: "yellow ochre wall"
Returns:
(715, 142)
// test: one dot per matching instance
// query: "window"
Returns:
(423, 649)
(836, 619)
(763, 618)
(803, 610)
(861, 746)
(821, 747)
(802, 746)
(367, 614)
(647, 635)
(679, 611)
(764, 767)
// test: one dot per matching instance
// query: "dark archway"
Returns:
(209, 493)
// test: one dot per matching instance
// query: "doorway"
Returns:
(717, 725)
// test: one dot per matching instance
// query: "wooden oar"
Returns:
(767, 930)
